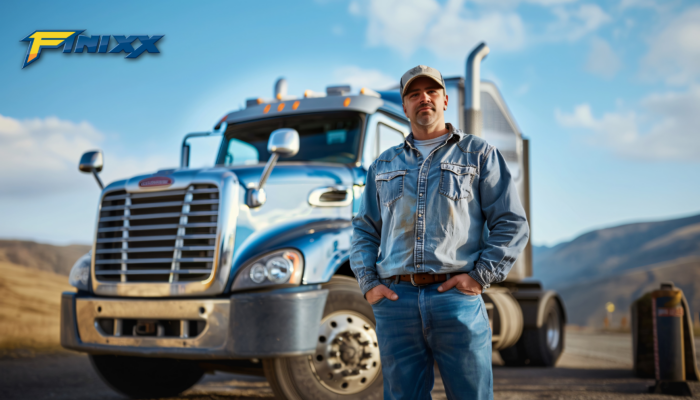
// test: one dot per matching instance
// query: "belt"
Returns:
(422, 278)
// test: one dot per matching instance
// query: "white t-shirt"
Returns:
(426, 146)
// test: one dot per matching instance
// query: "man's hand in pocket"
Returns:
(379, 292)
(464, 283)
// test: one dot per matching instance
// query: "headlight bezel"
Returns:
(79, 276)
(244, 278)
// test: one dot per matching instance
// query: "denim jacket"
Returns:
(456, 210)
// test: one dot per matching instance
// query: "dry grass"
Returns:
(30, 308)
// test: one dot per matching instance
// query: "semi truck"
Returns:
(243, 266)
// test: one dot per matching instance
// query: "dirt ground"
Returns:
(593, 366)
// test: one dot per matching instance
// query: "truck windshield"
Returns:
(330, 138)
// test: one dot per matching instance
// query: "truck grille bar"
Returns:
(165, 236)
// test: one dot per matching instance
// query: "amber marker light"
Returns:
(346, 102)
(260, 100)
(267, 108)
(294, 258)
(307, 93)
(280, 107)
(295, 105)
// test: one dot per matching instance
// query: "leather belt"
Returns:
(422, 278)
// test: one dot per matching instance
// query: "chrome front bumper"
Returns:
(253, 325)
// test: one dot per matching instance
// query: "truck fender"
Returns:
(533, 302)
(324, 244)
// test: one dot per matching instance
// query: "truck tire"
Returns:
(346, 362)
(541, 346)
(141, 377)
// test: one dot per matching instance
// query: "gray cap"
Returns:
(417, 72)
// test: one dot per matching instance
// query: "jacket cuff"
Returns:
(482, 275)
(368, 285)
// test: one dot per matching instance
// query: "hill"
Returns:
(30, 307)
(620, 264)
(43, 257)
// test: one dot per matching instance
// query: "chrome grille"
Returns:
(167, 236)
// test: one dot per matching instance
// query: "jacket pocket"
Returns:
(390, 186)
(456, 180)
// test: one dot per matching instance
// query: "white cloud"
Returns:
(40, 157)
(515, 3)
(400, 24)
(671, 121)
(626, 4)
(338, 30)
(522, 89)
(359, 77)
(674, 53)
(573, 24)
(455, 31)
(449, 29)
(602, 60)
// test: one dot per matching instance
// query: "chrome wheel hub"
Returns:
(553, 330)
(347, 353)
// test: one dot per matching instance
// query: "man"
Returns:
(440, 221)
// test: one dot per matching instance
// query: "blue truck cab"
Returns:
(244, 266)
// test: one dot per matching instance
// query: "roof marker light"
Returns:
(369, 92)
(346, 102)
(280, 107)
(267, 108)
(221, 121)
(311, 93)
(260, 100)
(295, 105)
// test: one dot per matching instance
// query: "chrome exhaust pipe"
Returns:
(472, 90)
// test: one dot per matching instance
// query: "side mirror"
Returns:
(283, 143)
(91, 163)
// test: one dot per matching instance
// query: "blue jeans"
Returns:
(424, 326)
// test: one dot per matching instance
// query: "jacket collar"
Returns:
(454, 133)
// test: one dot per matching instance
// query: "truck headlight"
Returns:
(281, 267)
(80, 273)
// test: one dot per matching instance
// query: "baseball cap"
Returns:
(417, 72)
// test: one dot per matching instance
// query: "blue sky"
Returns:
(608, 92)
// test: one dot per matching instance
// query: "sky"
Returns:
(607, 92)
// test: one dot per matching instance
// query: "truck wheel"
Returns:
(541, 346)
(514, 356)
(141, 377)
(346, 362)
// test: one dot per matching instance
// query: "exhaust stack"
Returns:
(472, 90)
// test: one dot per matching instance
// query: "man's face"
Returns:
(425, 102)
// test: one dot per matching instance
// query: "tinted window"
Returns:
(323, 138)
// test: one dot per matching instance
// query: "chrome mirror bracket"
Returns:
(91, 162)
(283, 143)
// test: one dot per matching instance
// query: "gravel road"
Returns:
(593, 366)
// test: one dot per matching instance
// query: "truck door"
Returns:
(382, 133)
